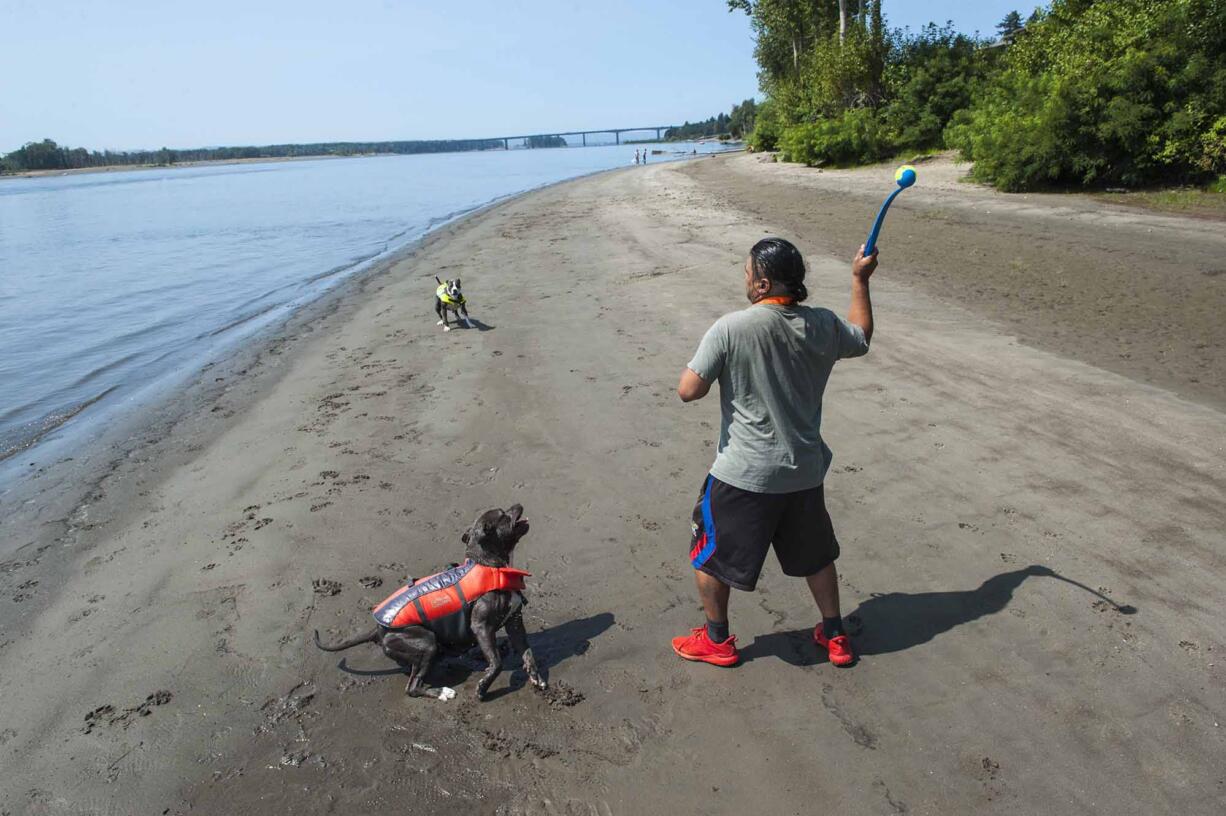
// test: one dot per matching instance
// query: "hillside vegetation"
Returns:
(1092, 93)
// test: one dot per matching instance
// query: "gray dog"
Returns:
(465, 604)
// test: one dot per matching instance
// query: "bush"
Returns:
(933, 75)
(866, 96)
(1102, 92)
(767, 128)
(1014, 148)
(1213, 149)
(856, 137)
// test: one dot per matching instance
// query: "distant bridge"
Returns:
(617, 134)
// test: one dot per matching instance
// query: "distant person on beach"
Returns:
(636, 157)
(772, 361)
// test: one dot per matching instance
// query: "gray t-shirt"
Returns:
(772, 363)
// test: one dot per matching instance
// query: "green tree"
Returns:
(1104, 92)
(44, 155)
(546, 141)
(741, 121)
(933, 75)
(767, 127)
(1009, 26)
(818, 57)
(783, 29)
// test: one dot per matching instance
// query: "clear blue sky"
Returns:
(139, 73)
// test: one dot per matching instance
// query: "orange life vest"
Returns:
(442, 602)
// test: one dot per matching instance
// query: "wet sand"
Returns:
(154, 639)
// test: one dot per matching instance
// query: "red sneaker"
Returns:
(838, 647)
(698, 646)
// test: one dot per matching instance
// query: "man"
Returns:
(772, 361)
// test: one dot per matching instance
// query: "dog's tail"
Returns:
(369, 637)
(440, 283)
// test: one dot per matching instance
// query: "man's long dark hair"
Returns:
(779, 261)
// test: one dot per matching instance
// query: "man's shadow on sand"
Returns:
(896, 621)
(551, 647)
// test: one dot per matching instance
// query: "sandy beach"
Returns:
(1044, 397)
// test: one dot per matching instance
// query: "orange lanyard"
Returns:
(781, 301)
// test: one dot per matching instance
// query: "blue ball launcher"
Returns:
(905, 176)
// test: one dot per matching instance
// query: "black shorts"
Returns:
(734, 528)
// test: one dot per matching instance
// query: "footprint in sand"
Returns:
(107, 715)
(326, 587)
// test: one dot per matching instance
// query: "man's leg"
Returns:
(806, 547)
(714, 596)
(825, 588)
(732, 530)
(824, 585)
(710, 643)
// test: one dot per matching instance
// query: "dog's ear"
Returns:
(457, 283)
(464, 538)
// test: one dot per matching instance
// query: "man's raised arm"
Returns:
(861, 311)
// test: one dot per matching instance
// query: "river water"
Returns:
(113, 282)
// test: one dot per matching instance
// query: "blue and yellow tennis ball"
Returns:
(905, 176)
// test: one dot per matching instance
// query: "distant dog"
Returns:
(453, 609)
(448, 298)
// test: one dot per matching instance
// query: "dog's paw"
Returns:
(446, 693)
(446, 328)
(439, 323)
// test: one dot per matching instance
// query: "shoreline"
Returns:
(356, 445)
(125, 168)
(155, 400)
(155, 416)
